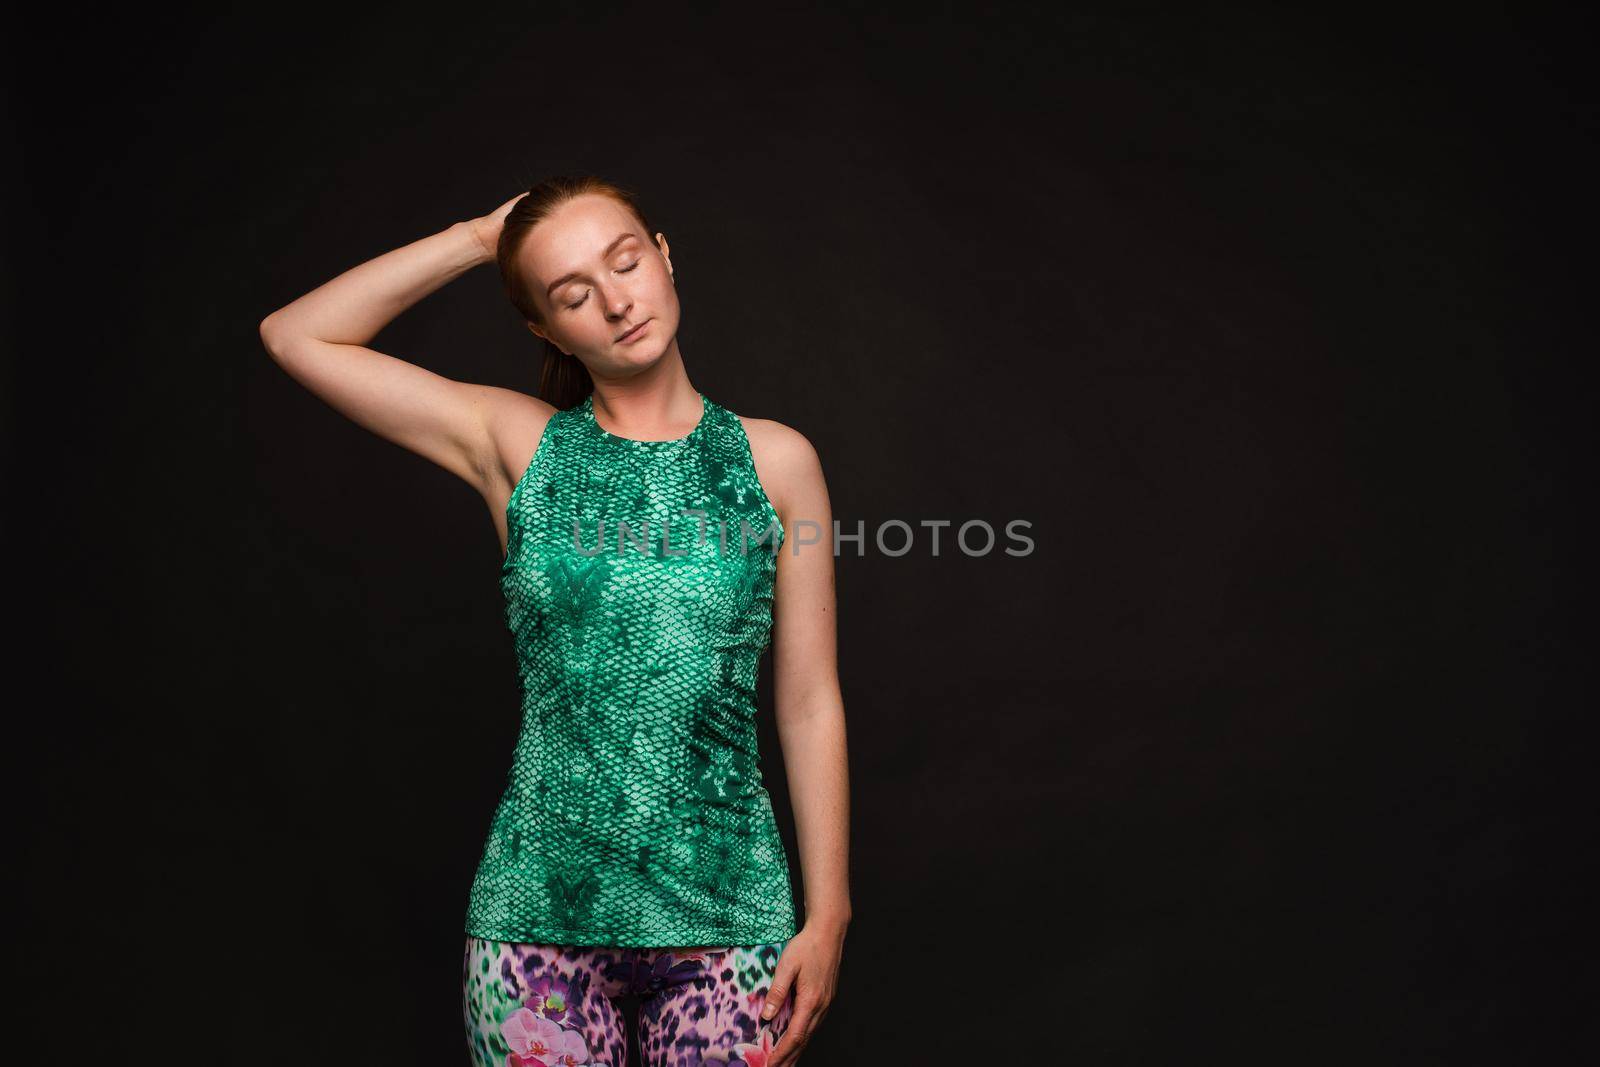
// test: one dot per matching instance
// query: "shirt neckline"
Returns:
(586, 410)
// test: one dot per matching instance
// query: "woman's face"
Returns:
(596, 275)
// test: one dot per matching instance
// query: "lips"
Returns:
(633, 331)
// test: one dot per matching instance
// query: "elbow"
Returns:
(272, 335)
(267, 328)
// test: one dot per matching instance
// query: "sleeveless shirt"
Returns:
(638, 585)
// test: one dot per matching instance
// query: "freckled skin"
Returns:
(631, 285)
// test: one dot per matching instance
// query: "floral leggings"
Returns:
(529, 1005)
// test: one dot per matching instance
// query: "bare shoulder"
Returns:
(779, 448)
(514, 422)
(786, 462)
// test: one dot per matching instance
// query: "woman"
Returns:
(650, 551)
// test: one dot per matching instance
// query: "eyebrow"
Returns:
(565, 278)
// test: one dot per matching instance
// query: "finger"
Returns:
(788, 1048)
(782, 979)
(796, 1034)
(785, 1054)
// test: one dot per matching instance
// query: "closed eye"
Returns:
(624, 270)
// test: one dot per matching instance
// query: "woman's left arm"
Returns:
(811, 729)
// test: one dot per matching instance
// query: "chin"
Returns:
(632, 360)
(642, 355)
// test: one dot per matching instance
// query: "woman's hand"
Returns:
(807, 972)
(486, 228)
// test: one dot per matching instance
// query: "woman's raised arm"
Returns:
(320, 340)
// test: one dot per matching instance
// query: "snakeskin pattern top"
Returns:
(638, 587)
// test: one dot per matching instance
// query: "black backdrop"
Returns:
(1262, 323)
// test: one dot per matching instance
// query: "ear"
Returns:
(538, 332)
(666, 254)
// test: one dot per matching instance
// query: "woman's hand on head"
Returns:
(486, 228)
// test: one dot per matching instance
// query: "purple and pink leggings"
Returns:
(529, 1005)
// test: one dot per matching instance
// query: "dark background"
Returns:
(1264, 323)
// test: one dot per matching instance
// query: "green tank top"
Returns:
(638, 586)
